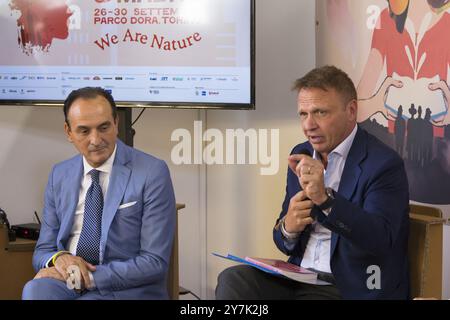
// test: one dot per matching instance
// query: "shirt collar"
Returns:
(343, 148)
(106, 167)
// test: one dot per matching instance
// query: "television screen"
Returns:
(174, 53)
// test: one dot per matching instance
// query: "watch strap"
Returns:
(330, 200)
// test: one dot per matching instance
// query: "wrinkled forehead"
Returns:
(326, 97)
(316, 96)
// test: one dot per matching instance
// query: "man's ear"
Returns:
(67, 131)
(353, 109)
(116, 124)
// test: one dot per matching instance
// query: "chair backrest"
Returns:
(173, 286)
(425, 251)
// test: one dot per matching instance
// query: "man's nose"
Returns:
(309, 123)
(95, 138)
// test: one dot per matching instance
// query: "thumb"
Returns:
(91, 267)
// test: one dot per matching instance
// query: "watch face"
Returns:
(330, 192)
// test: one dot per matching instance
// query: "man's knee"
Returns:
(232, 275)
(33, 290)
(231, 282)
(46, 289)
(227, 275)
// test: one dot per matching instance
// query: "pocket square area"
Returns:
(126, 205)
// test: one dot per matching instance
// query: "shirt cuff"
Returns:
(290, 237)
(49, 262)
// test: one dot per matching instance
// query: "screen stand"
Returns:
(126, 132)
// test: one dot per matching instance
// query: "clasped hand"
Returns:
(310, 175)
(61, 269)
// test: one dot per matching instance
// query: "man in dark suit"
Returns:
(345, 213)
(109, 213)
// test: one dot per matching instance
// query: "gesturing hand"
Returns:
(310, 173)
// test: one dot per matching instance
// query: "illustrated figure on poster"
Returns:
(408, 67)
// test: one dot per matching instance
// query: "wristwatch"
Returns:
(286, 235)
(328, 204)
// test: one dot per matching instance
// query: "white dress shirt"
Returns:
(318, 249)
(105, 173)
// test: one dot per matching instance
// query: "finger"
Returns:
(304, 205)
(62, 270)
(298, 197)
(302, 214)
(85, 275)
(56, 275)
(307, 221)
(306, 169)
(91, 267)
(305, 180)
(302, 195)
(309, 165)
(294, 160)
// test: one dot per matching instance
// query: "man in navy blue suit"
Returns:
(345, 213)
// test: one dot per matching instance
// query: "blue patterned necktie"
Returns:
(89, 244)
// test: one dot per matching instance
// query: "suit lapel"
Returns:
(118, 181)
(351, 173)
(70, 189)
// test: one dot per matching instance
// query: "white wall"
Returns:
(31, 140)
(242, 205)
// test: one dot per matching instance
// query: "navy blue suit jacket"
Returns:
(369, 221)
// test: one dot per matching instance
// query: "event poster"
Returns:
(398, 54)
(142, 50)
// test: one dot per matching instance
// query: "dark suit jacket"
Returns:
(369, 221)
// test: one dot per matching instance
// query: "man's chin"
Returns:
(97, 161)
(317, 146)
